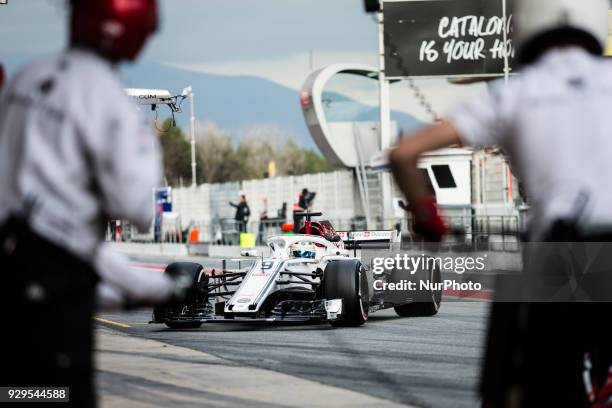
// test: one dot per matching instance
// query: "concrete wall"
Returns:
(205, 204)
(334, 193)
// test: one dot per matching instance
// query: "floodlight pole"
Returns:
(506, 62)
(385, 111)
(192, 134)
(385, 116)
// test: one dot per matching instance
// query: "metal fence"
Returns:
(475, 233)
(478, 233)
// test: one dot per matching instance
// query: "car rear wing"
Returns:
(379, 239)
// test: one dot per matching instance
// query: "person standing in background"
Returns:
(303, 204)
(243, 212)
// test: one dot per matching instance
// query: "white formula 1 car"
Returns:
(308, 277)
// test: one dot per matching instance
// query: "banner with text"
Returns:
(447, 37)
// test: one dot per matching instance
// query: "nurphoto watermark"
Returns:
(418, 272)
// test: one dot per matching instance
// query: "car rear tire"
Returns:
(197, 275)
(347, 280)
(427, 304)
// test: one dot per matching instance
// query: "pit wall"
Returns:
(510, 261)
(178, 251)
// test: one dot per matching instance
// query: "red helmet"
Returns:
(118, 29)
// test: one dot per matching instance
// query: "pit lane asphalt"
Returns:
(427, 362)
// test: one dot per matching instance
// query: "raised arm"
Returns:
(404, 158)
(403, 161)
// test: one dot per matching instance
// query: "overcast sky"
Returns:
(267, 38)
(201, 33)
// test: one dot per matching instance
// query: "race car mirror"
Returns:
(333, 238)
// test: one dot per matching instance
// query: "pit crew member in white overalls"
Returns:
(74, 152)
(553, 121)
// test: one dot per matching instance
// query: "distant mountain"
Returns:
(236, 102)
(232, 102)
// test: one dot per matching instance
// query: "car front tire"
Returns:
(196, 272)
(347, 280)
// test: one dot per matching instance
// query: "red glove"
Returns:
(603, 397)
(427, 221)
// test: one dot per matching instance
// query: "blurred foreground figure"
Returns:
(74, 150)
(553, 122)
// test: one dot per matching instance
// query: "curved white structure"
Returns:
(336, 140)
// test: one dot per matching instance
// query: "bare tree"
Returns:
(291, 159)
(220, 161)
(258, 148)
(216, 153)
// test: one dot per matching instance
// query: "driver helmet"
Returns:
(303, 250)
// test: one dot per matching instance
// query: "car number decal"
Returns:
(264, 269)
